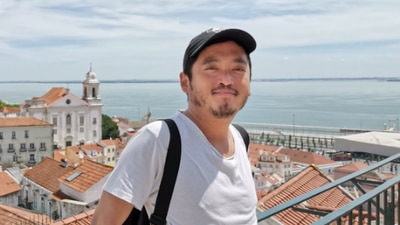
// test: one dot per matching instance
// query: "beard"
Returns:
(223, 111)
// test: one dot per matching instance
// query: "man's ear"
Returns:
(184, 80)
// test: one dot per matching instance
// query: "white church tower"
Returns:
(91, 88)
(75, 120)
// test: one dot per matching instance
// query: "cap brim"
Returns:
(241, 37)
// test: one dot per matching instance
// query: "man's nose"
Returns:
(226, 77)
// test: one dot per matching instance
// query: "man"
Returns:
(214, 183)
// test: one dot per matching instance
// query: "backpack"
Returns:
(140, 217)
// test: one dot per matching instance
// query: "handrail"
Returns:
(291, 203)
(359, 201)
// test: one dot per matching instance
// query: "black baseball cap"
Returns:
(215, 35)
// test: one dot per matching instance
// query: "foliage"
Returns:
(4, 104)
(109, 128)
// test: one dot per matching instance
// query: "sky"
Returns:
(144, 39)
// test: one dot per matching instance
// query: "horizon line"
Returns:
(176, 80)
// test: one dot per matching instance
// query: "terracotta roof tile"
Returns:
(306, 157)
(22, 122)
(54, 94)
(81, 219)
(58, 155)
(74, 148)
(13, 215)
(10, 110)
(108, 142)
(89, 147)
(7, 184)
(88, 174)
(254, 150)
(304, 182)
(351, 167)
(69, 95)
(47, 172)
(59, 195)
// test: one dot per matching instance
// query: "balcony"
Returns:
(377, 205)
(31, 162)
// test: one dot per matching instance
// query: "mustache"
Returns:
(222, 87)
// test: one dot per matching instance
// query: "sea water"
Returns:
(364, 104)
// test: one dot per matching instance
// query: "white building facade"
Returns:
(75, 120)
(24, 140)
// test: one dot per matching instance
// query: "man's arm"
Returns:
(111, 210)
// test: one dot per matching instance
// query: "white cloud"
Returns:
(45, 39)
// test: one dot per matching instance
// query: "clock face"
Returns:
(68, 101)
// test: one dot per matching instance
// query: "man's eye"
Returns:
(211, 68)
(240, 69)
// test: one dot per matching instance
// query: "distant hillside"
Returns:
(389, 79)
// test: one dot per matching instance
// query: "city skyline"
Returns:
(47, 40)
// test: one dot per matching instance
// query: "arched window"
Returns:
(93, 92)
(68, 120)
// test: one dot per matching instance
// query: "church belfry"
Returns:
(91, 88)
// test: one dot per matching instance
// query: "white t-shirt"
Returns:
(209, 189)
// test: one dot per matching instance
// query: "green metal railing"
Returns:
(378, 206)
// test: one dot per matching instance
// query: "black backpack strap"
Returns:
(244, 134)
(170, 173)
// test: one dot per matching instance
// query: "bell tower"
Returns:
(91, 88)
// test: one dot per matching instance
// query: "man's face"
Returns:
(220, 83)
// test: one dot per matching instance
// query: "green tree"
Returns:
(4, 104)
(262, 136)
(109, 128)
(301, 143)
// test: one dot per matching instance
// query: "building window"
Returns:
(32, 147)
(13, 135)
(1, 135)
(11, 148)
(54, 131)
(68, 130)
(15, 158)
(23, 147)
(42, 204)
(32, 160)
(27, 134)
(35, 196)
(94, 120)
(81, 129)
(54, 121)
(81, 120)
(94, 133)
(68, 120)
(1, 150)
(42, 146)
